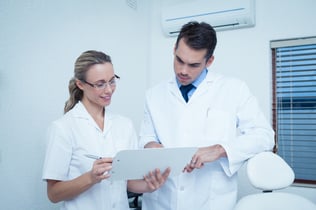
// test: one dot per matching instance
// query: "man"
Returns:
(218, 115)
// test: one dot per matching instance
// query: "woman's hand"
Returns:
(151, 182)
(155, 179)
(100, 169)
(58, 190)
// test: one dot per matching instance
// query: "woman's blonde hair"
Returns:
(82, 65)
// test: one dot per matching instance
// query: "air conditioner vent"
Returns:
(222, 15)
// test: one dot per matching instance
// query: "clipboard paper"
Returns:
(134, 164)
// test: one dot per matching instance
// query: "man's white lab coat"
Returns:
(221, 111)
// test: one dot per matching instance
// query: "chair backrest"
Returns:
(268, 172)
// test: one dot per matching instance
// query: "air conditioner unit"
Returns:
(221, 14)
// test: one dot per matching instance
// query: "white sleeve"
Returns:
(255, 134)
(147, 130)
(58, 153)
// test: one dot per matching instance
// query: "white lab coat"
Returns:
(76, 134)
(221, 111)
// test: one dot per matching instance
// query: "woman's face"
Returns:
(99, 85)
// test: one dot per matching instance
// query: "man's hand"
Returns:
(205, 155)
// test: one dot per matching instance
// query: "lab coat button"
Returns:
(181, 188)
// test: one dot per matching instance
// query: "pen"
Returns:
(93, 156)
(96, 158)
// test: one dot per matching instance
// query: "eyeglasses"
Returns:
(102, 84)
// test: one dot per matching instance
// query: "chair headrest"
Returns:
(268, 171)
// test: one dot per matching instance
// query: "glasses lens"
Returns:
(103, 85)
(112, 83)
(100, 86)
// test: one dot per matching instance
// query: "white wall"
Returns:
(39, 42)
(243, 53)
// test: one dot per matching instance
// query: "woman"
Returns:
(88, 129)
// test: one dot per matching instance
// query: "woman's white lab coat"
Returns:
(76, 134)
(221, 111)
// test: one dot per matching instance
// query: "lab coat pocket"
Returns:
(217, 124)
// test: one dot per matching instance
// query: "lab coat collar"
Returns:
(205, 85)
(210, 77)
(79, 111)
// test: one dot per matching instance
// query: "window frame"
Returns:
(274, 45)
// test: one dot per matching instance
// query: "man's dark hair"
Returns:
(198, 36)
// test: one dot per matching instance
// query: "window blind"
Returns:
(294, 107)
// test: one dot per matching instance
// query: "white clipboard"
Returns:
(134, 164)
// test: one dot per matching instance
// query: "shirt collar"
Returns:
(198, 80)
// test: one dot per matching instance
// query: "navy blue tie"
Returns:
(184, 91)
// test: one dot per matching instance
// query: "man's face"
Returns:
(189, 63)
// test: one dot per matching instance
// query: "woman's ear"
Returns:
(79, 84)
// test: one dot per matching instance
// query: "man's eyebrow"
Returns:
(179, 59)
(190, 64)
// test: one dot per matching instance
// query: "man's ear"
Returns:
(210, 61)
